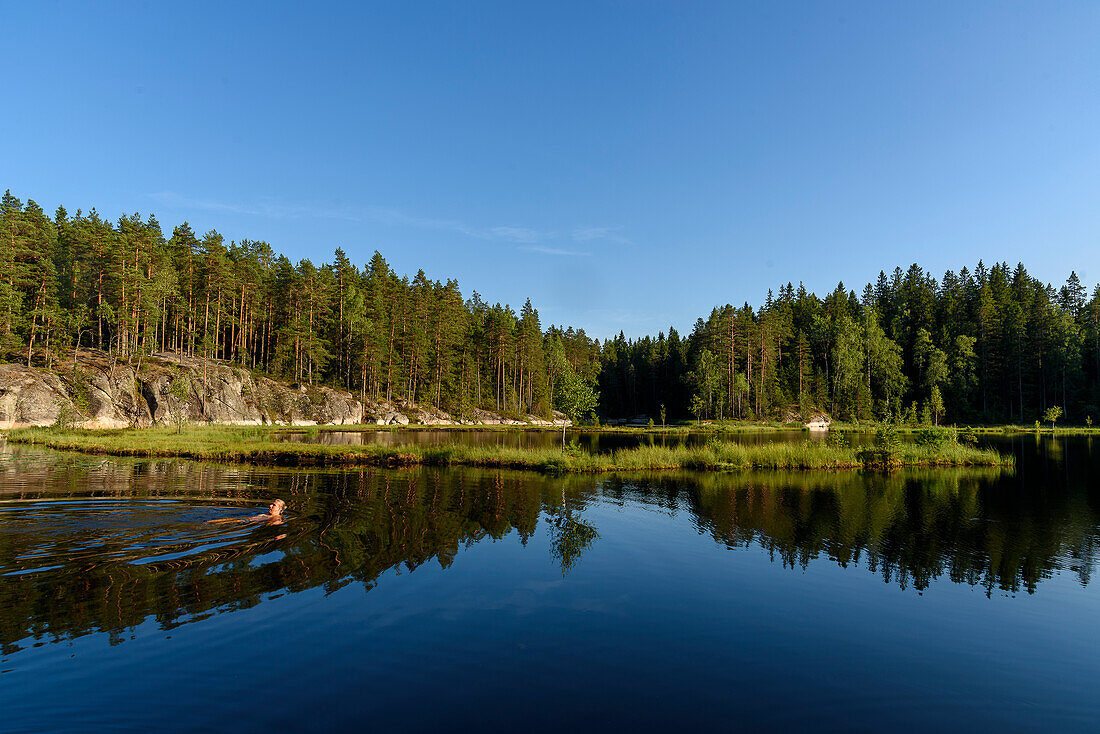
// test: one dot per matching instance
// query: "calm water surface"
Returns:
(593, 441)
(428, 599)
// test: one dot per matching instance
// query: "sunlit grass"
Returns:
(255, 445)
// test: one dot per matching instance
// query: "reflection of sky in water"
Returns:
(426, 599)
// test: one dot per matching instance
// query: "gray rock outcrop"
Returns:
(102, 392)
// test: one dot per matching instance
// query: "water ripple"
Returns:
(86, 533)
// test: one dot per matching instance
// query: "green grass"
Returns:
(680, 427)
(254, 445)
(1068, 430)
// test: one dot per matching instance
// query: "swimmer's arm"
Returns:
(254, 518)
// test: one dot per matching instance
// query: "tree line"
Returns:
(992, 344)
(124, 287)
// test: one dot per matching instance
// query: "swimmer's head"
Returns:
(276, 508)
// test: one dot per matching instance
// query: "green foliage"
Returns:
(78, 406)
(968, 437)
(570, 537)
(1053, 413)
(698, 406)
(180, 391)
(81, 399)
(886, 436)
(935, 404)
(935, 436)
(125, 288)
(980, 345)
(67, 415)
(886, 448)
(575, 396)
(252, 444)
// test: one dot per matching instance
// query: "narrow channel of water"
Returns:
(593, 441)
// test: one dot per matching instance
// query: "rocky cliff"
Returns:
(97, 391)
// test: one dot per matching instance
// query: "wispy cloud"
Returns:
(610, 234)
(554, 251)
(528, 237)
(520, 234)
(262, 208)
(398, 217)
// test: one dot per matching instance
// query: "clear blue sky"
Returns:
(627, 165)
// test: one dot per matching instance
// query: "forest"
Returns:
(988, 345)
(127, 288)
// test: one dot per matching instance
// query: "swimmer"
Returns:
(274, 515)
(274, 512)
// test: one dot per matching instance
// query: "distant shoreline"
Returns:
(716, 427)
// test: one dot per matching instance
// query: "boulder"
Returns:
(29, 397)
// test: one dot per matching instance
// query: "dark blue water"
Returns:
(428, 599)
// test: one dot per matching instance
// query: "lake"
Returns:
(422, 599)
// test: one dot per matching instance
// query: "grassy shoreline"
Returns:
(677, 428)
(254, 446)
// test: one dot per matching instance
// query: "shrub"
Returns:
(886, 451)
(180, 390)
(968, 437)
(67, 414)
(886, 436)
(81, 400)
(935, 436)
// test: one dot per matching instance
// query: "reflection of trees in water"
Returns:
(344, 527)
(970, 526)
(352, 526)
(569, 538)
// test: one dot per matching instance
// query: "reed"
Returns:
(255, 446)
